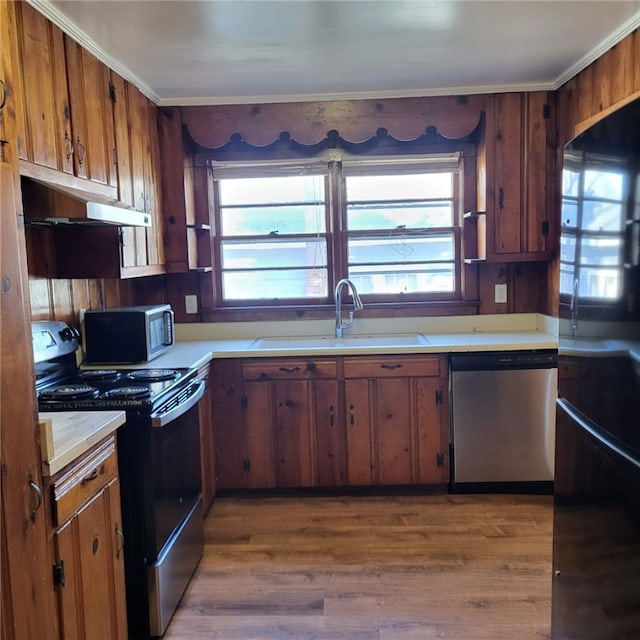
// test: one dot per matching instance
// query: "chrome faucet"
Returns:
(574, 308)
(341, 325)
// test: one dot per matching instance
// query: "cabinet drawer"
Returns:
(295, 368)
(391, 366)
(82, 480)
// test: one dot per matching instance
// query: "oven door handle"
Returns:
(162, 418)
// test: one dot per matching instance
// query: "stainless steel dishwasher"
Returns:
(503, 418)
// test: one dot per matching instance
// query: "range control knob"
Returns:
(69, 334)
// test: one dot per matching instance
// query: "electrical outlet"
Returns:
(191, 304)
(501, 293)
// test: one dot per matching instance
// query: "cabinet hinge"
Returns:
(246, 464)
(440, 459)
(120, 237)
(439, 396)
(545, 227)
(546, 111)
(58, 574)
(244, 401)
(112, 93)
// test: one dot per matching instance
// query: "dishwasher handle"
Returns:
(504, 360)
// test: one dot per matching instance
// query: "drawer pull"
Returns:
(391, 367)
(92, 476)
(289, 369)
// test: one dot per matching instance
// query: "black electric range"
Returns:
(158, 463)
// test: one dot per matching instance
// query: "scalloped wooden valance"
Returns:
(356, 121)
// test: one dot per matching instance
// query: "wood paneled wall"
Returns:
(607, 83)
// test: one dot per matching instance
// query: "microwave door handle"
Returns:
(169, 337)
(162, 419)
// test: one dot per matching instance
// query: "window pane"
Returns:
(602, 216)
(400, 187)
(567, 248)
(600, 283)
(262, 220)
(275, 285)
(567, 276)
(413, 215)
(238, 191)
(600, 251)
(405, 279)
(311, 252)
(569, 213)
(607, 185)
(381, 250)
(570, 183)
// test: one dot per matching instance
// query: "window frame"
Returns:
(337, 233)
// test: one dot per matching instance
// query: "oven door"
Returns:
(162, 510)
(596, 537)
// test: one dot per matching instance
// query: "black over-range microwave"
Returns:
(128, 334)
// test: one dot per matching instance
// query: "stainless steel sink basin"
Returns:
(351, 341)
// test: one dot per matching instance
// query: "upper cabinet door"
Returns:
(520, 191)
(43, 114)
(91, 115)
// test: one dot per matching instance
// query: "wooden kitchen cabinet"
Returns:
(396, 420)
(64, 115)
(207, 442)
(519, 163)
(329, 422)
(243, 437)
(188, 241)
(294, 397)
(88, 545)
(91, 116)
(28, 599)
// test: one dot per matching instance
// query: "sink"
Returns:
(350, 341)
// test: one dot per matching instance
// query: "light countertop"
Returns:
(66, 435)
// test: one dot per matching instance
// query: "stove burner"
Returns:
(153, 375)
(106, 375)
(129, 392)
(70, 392)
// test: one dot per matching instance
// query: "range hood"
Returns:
(45, 205)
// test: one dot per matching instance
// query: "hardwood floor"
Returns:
(372, 568)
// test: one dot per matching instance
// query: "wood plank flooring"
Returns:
(372, 568)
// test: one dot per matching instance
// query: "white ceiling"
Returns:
(238, 51)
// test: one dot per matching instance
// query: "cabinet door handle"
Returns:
(501, 198)
(38, 491)
(68, 143)
(391, 367)
(331, 417)
(92, 476)
(119, 547)
(82, 151)
(289, 369)
(3, 99)
(352, 419)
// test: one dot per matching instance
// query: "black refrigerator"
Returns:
(596, 539)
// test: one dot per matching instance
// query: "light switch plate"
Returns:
(191, 304)
(501, 293)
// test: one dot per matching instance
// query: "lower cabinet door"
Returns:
(89, 551)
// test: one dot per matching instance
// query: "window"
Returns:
(594, 196)
(286, 232)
